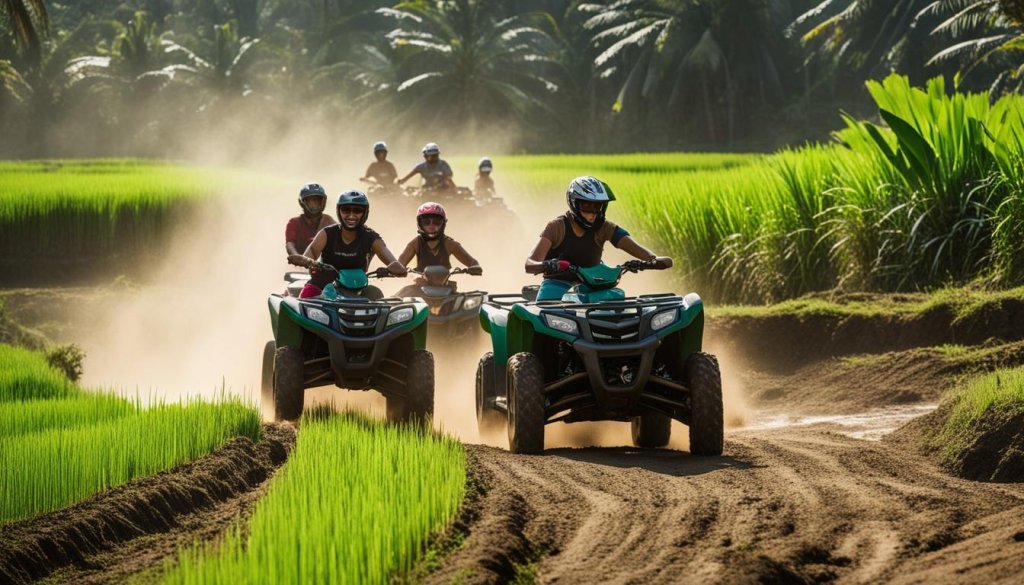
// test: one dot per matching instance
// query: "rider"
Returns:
(300, 230)
(433, 248)
(484, 182)
(436, 173)
(577, 239)
(348, 245)
(381, 171)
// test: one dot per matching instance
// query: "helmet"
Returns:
(379, 146)
(354, 198)
(485, 165)
(311, 190)
(431, 148)
(588, 189)
(431, 208)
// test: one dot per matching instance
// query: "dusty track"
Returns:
(802, 505)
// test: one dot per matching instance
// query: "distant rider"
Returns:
(349, 245)
(433, 248)
(484, 184)
(300, 230)
(381, 171)
(578, 237)
(436, 173)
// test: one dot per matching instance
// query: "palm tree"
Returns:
(670, 57)
(463, 61)
(28, 21)
(995, 31)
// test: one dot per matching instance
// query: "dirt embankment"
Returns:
(135, 526)
(785, 506)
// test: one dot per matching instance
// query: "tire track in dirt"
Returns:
(785, 505)
(135, 526)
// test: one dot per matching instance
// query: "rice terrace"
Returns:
(624, 291)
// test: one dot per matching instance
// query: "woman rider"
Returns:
(577, 239)
(432, 247)
(349, 244)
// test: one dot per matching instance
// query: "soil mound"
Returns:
(72, 537)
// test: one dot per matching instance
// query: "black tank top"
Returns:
(582, 251)
(345, 256)
(427, 257)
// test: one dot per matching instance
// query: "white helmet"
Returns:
(588, 189)
(485, 165)
(379, 146)
(431, 148)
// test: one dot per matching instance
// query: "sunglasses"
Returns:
(590, 207)
(432, 221)
(351, 211)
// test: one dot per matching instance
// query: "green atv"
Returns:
(341, 337)
(598, 355)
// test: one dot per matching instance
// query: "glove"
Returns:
(382, 272)
(475, 270)
(555, 265)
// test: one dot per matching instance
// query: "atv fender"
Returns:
(691, 323)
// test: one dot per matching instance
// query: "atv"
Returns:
(453, 314)
(597, 355)
(344, 338)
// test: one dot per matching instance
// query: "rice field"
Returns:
(354, 504)
(60, 444)
(931, 198)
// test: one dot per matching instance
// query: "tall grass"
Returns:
(26, 375)
(59, 465)
(1000, 392)
(83, 409)
(932, 197)
(354, 504)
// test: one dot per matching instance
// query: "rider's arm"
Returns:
(409, 176)
(535, 263)
(292, 248)
(394, 266)
(366, 175)
(448, 179)
(462, 255)
(393, 174)
(291, 233)
(628, 245)
(408, 253)
(316, 247)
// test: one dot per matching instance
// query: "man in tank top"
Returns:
(431, 247)
(349, 244)
(578, 237)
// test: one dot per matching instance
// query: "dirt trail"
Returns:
(789, 505)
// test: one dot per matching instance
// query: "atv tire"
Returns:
(267, 379)
(525, 404)
(289, 376)
(418, 402)
(488, 420)
(706, 422)
(651, 430)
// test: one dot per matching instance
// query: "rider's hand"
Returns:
(382, 272)
(475, 270)
(555, 265)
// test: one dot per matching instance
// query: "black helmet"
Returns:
(312, 190)
(353, 198)
(588, 189)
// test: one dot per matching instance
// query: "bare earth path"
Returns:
(786, 505)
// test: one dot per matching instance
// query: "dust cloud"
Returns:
(199, 323)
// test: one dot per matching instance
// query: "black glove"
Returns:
(382, 272)
(475, 270)
(555, 265)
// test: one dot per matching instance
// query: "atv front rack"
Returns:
(506, 301)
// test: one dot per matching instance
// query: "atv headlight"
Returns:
(471, 303)
(400, 316)
(318, 315)
(663, 319)
(561, 324)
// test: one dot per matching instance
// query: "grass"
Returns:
(80, 410)
(65, 462)
(354, 504)
(26, 375)
(931, 199)
(999, 393)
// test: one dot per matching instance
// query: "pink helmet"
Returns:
(431, 208)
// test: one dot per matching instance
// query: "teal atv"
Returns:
(597, 355)
(346, 339)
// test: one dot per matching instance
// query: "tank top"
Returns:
(354, 255)
(582, 251)
(427, 257)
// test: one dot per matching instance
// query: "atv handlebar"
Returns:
(315, 266)
(658, 263)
